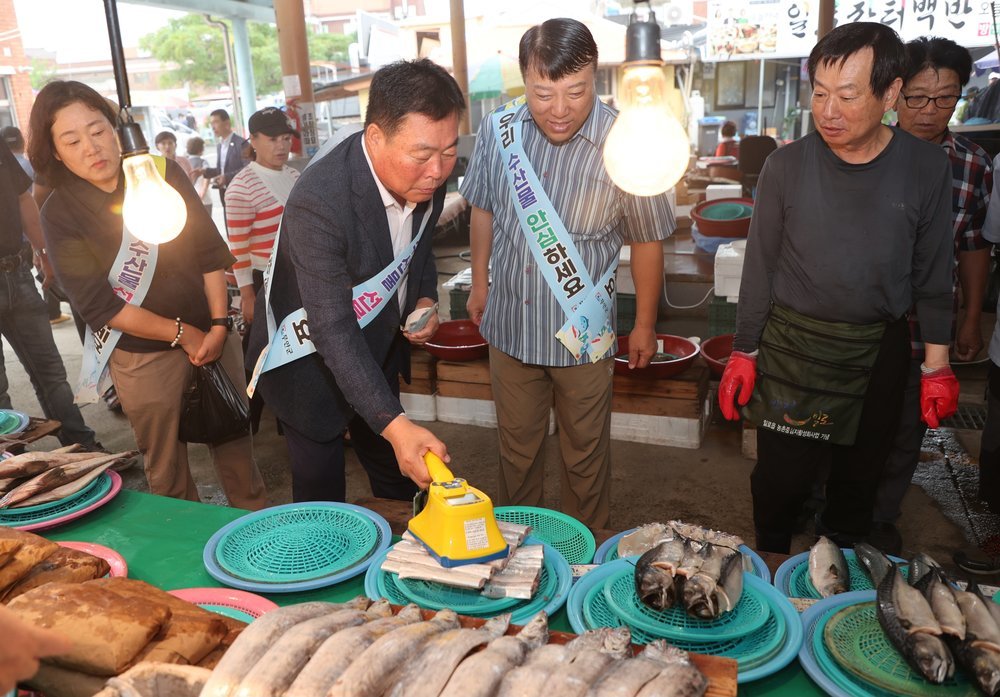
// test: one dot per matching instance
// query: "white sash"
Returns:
(289, 341)
(587, 331)
(130, 278)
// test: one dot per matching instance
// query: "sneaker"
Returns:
(983, 567)
(60, 319)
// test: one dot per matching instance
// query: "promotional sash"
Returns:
(130, 277)
(289, 341)
(587, 331)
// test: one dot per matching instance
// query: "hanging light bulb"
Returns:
(647, 150)
(153, 210)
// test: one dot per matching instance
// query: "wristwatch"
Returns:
(226, 322)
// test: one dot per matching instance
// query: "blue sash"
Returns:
(587, 331)
(289, 341)
(130, 277)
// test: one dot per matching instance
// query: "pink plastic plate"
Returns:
(227, 601)
(114, 559)
(116, 486)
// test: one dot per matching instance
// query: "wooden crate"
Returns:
(468, 380)
(682, 395)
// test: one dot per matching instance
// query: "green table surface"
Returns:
(162, 540)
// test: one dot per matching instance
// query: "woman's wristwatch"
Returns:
(226, 322)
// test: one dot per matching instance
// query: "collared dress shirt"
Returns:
(522, 314)
(399, 218)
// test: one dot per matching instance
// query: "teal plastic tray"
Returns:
(465, 601)
(572, 538)
(674, 623)
(43, 512)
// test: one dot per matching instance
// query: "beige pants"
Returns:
(150, 387)
(581, 395)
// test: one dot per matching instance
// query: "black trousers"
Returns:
(788, 465)
(989, 447)
(318, 467)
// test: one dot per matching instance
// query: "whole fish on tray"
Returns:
(828, 568)
(655, 574)
(59, 476)
(910, 625)
(979, 651)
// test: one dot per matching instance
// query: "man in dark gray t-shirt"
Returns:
(852, 225)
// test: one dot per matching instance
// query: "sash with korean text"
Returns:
(130, 277)
(289, 340)
(587, 332)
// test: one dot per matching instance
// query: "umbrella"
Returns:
(498, 75)
(987, 62)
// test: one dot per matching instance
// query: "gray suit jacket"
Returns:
(334, 235)
(234, 161)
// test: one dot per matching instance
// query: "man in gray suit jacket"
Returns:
(349, 219)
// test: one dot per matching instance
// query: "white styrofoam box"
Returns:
(474, 412)
(717, 191)
(419, 407)
(675, 431)
(729, 268)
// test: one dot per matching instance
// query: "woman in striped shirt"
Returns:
(255, 200)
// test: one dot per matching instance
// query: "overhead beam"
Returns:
(255, 11)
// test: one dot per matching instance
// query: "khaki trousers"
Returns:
(581, 396)
(150, 387)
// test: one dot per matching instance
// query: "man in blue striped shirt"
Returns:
(563, 126)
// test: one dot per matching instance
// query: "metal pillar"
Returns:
(293, 49)
(244, 68)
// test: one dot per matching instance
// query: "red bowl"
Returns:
(458, 340)
(716, 352)
(714, 227)
(685, 350)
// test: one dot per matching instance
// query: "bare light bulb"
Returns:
(153, 210)
(646, 151)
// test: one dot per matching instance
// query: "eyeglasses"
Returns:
(944, 101)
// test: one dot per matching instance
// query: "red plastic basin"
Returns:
(458, 340)
(685, 350)
(710, 225)
(716, 352)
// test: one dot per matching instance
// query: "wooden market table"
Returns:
(162, 541)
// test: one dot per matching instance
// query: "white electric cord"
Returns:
(685, 307)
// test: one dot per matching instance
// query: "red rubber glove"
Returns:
(738, 377)
(938, 396)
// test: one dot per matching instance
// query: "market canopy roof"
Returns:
(254, 10)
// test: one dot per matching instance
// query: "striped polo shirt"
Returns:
(522, 314)
(255, 200)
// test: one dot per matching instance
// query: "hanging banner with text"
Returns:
(755, 29)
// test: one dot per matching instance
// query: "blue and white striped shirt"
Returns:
(522, 315)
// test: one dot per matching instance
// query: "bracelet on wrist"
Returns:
(180, 333)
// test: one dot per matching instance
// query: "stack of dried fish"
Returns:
(933, 622)
(515, 576)
(699, 568)
(32, 478)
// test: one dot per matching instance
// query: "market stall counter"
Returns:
(163, 539)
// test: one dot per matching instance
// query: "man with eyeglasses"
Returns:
(936, 71)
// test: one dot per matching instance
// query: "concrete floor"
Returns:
(709, 485)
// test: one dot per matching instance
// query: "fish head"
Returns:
(536, 632)
(699, 597)
(655, 587)
(932, 657)
(618, 642)
(986, 668)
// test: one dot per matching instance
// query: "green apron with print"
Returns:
(812, 376)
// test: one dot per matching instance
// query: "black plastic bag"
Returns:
(212, 411)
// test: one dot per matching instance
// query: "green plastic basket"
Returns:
(853, 638)
(748, 616)
(801, 586)
(726, 211)
(749, 651)
(301, 543)
(28, 515)
(437, 596)
(9, 422)
(567, 534)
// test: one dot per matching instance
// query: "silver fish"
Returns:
(908, 622)
(335, 654)
(480, 674)
(978, 653)
(626, 678)
(679, 678)
(730, 587)
(920, 566)
(943, 602)
(276, 669)
(527, 679)
(428, 672)
(254, 641)
(655, 571)
(873, 561)
(994, 608)
(828, 568)
(373, 671)
(573, 679)
(699, 593)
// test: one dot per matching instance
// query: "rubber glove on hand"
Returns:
(737, 382)
(938, 396)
